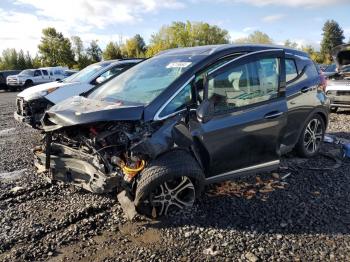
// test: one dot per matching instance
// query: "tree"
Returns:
(112, 51)
(257, 37)
(77, 47)
(333, 35)
(94, 52)
(9, 59)
(55, 49)
(81, 57)
(291, 44)
(21, 61)
(28, 60)
(180, 34)
(134, 47)
(314, 55)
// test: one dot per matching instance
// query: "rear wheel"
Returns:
(171, 182)
(334, 109)
(311, 137)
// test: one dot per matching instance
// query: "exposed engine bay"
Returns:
(102, 157)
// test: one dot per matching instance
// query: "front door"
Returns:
(249, 113)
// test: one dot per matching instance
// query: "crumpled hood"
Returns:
(341, 56)
(27, 93)
(79, 110)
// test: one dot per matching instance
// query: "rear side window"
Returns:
(45, 73)
(291, 70)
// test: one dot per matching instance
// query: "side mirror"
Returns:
(205, 111)
(100, 79)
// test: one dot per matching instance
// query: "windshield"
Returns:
(85, 74)
(27, 72)
(145, 81)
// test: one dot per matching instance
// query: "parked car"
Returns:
(70, 72)
(330, 70)
(3, 75)
(30, 77)
(160, 131)
(338, 84)
(32, 102)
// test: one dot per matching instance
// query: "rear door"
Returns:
(249, 113)
(46, 76)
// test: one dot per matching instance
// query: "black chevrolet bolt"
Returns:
(187, 117)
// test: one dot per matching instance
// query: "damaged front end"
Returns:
(99, 156)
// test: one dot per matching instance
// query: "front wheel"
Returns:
(171, 182)
(311, 137)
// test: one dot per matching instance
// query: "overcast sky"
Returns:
(21, 21)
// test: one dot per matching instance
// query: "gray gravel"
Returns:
(309, 220)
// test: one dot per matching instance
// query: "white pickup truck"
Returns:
(30, 77)
(338, 84)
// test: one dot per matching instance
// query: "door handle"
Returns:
(305, 89)
(273, 114)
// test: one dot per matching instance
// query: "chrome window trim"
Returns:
(242, 56)
(157, 117)
(250, 168)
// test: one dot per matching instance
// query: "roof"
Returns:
(210, 49)
(116, 61)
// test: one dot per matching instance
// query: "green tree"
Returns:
(28, 60)
(94, 52)
(55, 49)
(9, 59)
(257, 37)
(81, 57)
(77, 47)
(134, 47)
(333, 35)
(21, 61)
(291, 44)
(318, 57)
(36, 61)
(112, 51)
(180, 34)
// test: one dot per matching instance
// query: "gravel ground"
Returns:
(303, 216)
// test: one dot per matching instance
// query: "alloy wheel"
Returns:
(313, 136)
(178, 193)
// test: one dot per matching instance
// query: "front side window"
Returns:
(113, 71)
(86, 74)
(45, 73)
(37, 73)
(179, 102)
(244, 85)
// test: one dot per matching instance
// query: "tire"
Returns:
(27, 84)
(311, 137)
(334, 109)
(173, 180)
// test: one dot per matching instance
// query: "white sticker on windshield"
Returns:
(178, 65)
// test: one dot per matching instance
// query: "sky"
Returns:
(301, 21)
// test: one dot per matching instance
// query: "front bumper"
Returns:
(73, 167)
(31, 112)
(340, 98)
